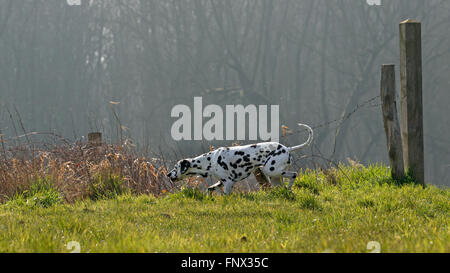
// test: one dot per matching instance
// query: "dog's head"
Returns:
(180, 170)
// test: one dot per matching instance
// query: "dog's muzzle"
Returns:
(172, 176)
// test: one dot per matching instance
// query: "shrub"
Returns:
(42, 193)
(74, 170)
(282, 193)
(107, 187)
(191, 193)
(307, 182)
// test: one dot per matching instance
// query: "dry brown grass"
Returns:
(73, 168)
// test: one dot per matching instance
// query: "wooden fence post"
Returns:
(95, 139)
(391, 123)
(411, 98)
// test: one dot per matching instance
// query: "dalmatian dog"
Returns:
(232, 164)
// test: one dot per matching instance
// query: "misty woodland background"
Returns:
(119, 66)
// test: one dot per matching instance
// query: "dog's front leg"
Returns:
(228, 187)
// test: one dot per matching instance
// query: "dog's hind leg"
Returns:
(291, 176)
(276, 181)
(215, 186)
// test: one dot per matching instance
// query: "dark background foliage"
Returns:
(61, 66)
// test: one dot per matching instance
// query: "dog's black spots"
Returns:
(239, 153)
(272, 169)
(246, 164)
(240, 174)
(246, 158)
(208, 168)
(185, 164)
(204, 175)
(276, 153)
(221, 163)
(248, 168)
(273, 162)
(279, 146)
(235, 165)
(209, 158)
(283, 173)
(254, 146)
(283, 151)
(194, 166)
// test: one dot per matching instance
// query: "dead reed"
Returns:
(79, 171)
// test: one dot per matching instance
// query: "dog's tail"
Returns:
(310, 138)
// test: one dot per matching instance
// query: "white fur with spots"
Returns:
(232, 164)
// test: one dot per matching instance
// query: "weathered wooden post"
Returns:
(391, 123)
(411, 98)
(95, 139)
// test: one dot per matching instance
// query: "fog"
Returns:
(120, 66)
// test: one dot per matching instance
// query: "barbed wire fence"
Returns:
(311, 158)
(316, 152)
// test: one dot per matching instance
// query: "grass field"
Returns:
(332, 211)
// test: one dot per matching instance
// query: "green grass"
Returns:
(340, 211)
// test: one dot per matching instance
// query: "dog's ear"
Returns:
(185, 165)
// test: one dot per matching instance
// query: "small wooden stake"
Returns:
(95, 139)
